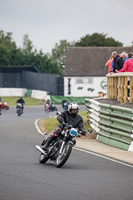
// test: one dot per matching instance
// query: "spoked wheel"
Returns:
(62, 158)
(43, 158)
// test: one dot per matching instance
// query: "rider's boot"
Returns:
(47, 143)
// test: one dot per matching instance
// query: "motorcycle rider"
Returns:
(47, 105)
(70, 117)
(52, 107)
(64, 104)
(20, 100)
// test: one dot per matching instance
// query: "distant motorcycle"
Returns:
(53, 107)
(46, 107)
(50, 107)
(4, 105)
(65, 106)
(19, 109)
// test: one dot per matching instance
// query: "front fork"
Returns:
(63, 144)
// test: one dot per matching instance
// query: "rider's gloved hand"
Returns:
(64, 125)
(83, 132)
(79, 135)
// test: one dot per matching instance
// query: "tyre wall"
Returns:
(114, 124)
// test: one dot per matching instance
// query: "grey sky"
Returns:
(49, 21)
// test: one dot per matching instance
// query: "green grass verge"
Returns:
(51, 123)
(11, 101)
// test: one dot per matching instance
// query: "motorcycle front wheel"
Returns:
(18, 113)
(62, 158)
(43, 158)
(7, 107)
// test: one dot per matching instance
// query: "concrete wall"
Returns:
(12, 92)
(20, 92)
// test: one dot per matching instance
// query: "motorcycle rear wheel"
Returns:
(43, 158)
(61, 159)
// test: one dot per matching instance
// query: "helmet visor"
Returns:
(74, 111)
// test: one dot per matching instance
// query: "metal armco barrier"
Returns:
(113, 124)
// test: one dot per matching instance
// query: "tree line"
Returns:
(11, 55)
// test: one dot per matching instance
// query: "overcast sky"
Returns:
(49, 21)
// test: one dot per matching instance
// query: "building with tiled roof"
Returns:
(85, 71)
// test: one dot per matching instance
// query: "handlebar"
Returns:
(79, 135)
(66, 125)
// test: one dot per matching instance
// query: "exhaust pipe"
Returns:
(40, 149)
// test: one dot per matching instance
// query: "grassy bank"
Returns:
(11, 101)
(51, 123)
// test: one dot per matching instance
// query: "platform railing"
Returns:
(120, 86)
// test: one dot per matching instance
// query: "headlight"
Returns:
(73, 132)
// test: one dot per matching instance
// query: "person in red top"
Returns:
(109, 64)
(128, 65)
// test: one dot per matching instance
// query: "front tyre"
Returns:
(62, 158)
(7, 107)
(18, 113)
(43, 158)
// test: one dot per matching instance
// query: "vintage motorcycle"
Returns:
(19, 109)
(60, 149)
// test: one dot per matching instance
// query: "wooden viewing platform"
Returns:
(120, 86)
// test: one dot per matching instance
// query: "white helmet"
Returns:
(73, 106)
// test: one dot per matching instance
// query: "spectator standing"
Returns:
(126, 58)
(115, 57)
(120, 61)
(128, 65)
(109, 64)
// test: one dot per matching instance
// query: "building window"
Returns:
(84, 80)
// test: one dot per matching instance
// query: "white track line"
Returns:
(86, 151)
(105, 157)
(37, 127)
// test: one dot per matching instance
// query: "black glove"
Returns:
(60, 119)
(83, 132)
(64, 124)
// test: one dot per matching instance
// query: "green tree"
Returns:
(98, 40)
(27, 44)
(4, 56)
(46, 64)
(7, 45)
(7, 40)
(10, 55)
(59, 51)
